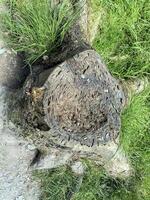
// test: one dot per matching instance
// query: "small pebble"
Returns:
(78, 168)
(3, 50)
(20, 198)
(31, 147)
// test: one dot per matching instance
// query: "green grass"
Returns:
(124, 37)
(96, 183)
(58, 184)
(62, 184)
(37, 27)
(135, 140)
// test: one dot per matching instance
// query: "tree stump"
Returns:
(77, 101)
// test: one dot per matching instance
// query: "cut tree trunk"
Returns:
(74, 112)
(79, 100)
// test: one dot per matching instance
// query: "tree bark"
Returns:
(78, 100)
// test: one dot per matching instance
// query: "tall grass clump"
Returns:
(37, 27)
(124, 37)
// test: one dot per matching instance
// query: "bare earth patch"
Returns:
(15, 158)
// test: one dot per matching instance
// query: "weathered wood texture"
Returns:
(79, 100)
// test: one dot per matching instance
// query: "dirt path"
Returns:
(15, 157)
(15, 154)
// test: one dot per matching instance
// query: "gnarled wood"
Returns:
(79, 100)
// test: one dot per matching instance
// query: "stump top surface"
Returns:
(82, 101)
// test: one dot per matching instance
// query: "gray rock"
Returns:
(12, 70)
